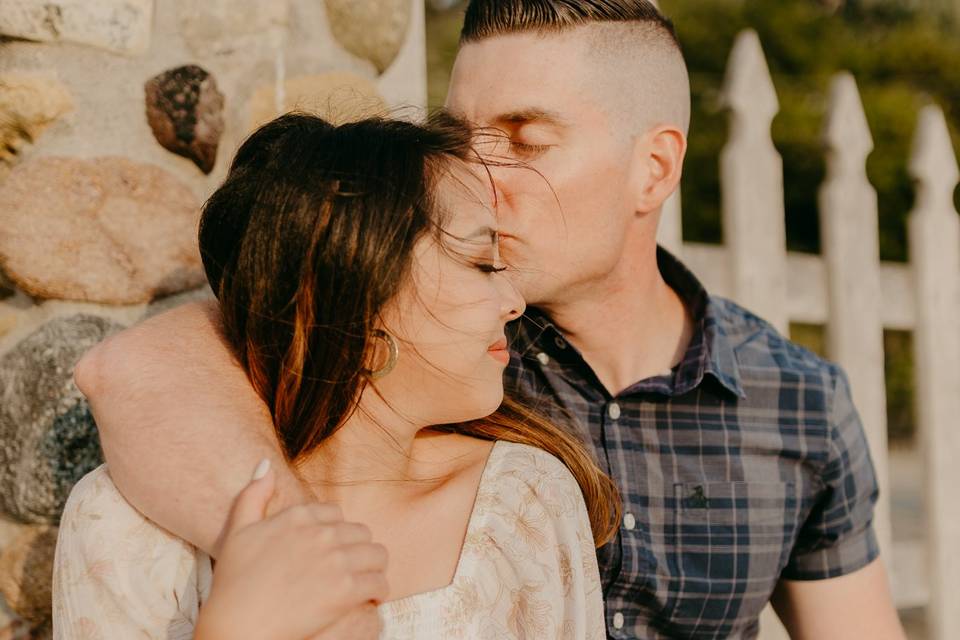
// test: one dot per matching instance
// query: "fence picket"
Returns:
(934, 231)
(751, 174)
(849, 230)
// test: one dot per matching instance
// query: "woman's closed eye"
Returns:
(490, 268)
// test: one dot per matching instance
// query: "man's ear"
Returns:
(658, 165)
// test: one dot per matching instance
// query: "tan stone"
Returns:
(338, 97)
(8, 323)
(29, 103)
(218, 27)
(373, 29)
(106, 230)
(26, 573)
(116, 25)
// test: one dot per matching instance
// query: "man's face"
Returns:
(563, 221)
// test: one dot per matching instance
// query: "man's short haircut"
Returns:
(643, 74)
(488, 18)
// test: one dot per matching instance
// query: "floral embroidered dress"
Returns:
(528, 568)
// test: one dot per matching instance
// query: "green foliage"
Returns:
(443, 38)
(902, 59)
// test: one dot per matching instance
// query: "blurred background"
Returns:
(819, 189)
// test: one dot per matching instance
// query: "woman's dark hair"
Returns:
(305, 243)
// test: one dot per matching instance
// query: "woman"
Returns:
(358, 274)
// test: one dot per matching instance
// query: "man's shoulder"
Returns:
(761, 350)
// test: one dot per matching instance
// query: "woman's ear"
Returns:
(658, 165)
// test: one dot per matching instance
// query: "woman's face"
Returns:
(449, 320)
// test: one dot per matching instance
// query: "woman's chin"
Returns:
(476, 406)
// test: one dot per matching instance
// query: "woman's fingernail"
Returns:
(261, 469)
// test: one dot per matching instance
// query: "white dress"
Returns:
(528, 568)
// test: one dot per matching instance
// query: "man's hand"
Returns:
(301, 573)
(180, 424)
(858, 605)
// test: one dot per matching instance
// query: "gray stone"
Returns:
(374, 29)
(48, 439)
(203, 294)
(185, 112)
(116, 25)
(106, 230)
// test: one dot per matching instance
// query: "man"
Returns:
(741, 461)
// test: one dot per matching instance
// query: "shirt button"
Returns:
(629, 522)
(618, 620)
(543, 358)
(613, 411)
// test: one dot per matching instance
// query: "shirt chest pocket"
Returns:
(728, 541)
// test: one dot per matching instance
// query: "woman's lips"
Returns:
(499, 351)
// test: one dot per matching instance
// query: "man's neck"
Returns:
(628, 327)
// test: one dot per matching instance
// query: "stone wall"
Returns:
(117, 119)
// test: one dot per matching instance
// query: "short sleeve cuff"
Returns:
(850, 554)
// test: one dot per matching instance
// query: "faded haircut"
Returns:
(646, 82)
(488, 18)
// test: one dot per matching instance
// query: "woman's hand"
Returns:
(299, 574)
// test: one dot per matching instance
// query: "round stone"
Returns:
(48, 439)
(106, 230)
(337, 97)
(225, 27)
(29, 103)
(374, 29)
(203, 294)
(26, 573)
(185, 112)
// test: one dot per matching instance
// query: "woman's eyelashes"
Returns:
(490, 268)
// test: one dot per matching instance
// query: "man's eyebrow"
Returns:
(532, 115)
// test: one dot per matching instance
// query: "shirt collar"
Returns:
(710, 352)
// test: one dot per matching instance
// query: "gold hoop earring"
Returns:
(394, 355)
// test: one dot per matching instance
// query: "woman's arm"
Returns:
(118, 575)
(179, 423)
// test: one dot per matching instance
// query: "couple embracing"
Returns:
(451, 387)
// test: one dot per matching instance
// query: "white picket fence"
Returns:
(856, 296)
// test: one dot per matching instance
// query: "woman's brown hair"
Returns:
(304, 244)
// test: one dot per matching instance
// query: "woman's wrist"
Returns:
(211, 625)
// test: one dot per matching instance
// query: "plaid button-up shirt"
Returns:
(744, 464)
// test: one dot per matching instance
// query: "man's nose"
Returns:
(513, 303)
(502, 194)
